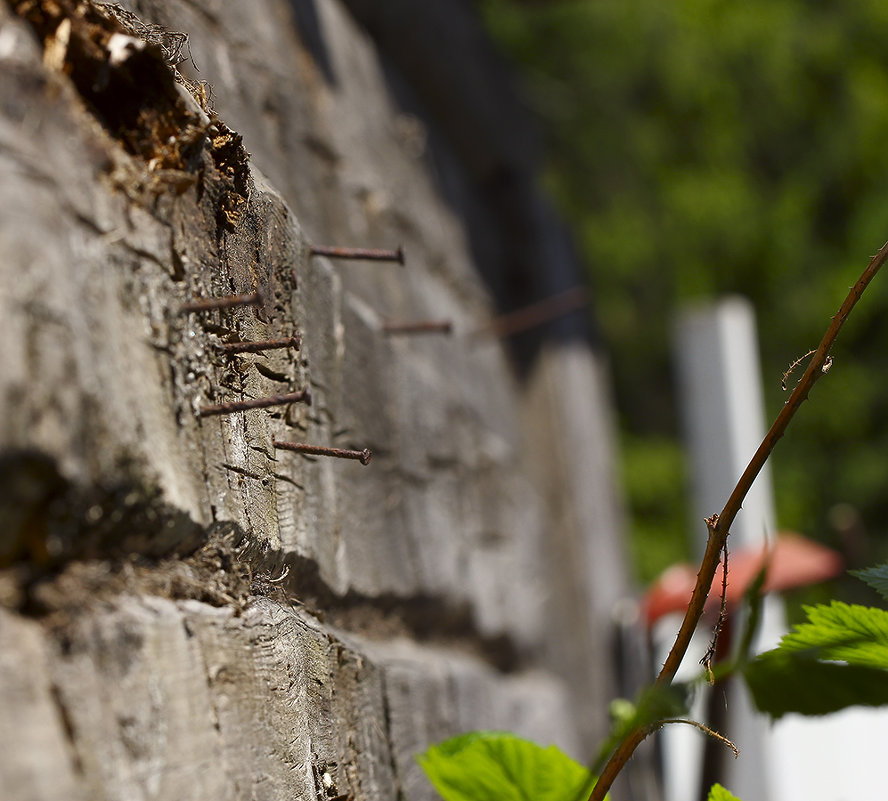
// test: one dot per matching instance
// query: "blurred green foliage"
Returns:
(653, 478)
(699, 148)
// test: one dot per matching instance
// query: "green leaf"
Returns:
(498, 766)
(876, 577)
(850, 633)
(718, 793)
(753, 598)
(782, 682)
(654, 703)
(806, 674)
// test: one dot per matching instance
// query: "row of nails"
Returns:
(304, 396)
(514, 322)
(508, 323)
(256, 299)
(363, 456)
(505, 325)
(528, 317)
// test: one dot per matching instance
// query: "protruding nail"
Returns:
(256, 403)
(224, 302)
(363, 456)
(294, 342)
(368, 254)
(422, 327)
(535, 314)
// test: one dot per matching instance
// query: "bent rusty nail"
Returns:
(363, 456)
(303, 396)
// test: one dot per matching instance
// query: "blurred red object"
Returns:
(793, 561)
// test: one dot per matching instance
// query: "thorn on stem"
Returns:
(793, 366)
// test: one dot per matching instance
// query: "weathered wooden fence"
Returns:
(187, 610)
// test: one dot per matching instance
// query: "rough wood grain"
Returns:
(187, 612)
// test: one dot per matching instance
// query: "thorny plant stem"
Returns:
(719, 525)
(706, 661)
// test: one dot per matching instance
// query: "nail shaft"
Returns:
(363, 456)
(423, 327)
(367, 254)
(535, 314)
(256, 347)
(224, 302)
(304, 396)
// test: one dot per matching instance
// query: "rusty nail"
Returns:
(294, 341)
(368, 254)
(304, 396)
(224, 302)
(363, 456)
(535, 314)
(422, 327)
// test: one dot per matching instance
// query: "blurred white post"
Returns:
(723, 412)
(720, 396)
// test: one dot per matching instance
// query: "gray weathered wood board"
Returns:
(212, 618)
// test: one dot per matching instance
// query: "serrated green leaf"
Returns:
(847, 632)
(498, 766)
(782, 682)
(876, 577)
(839, 658)
(718, 793)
